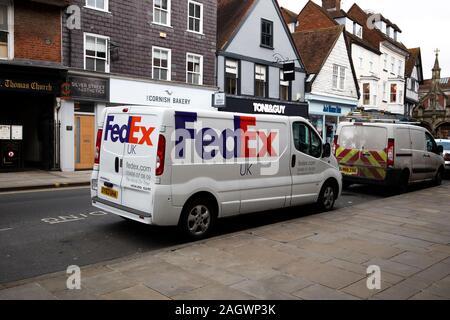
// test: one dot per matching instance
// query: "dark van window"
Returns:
(431, 144)
(306, 140)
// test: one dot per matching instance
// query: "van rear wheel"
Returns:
(197, 218)
(438, 177)
(327, 197)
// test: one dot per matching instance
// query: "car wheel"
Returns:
(197, 219)
(327, 197)
(438, 177)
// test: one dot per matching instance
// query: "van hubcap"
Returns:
(328, 197)
(199, 219)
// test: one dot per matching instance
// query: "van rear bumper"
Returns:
(126, 212)
(393, 178)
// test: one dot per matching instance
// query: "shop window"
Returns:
(195, 18)
(261, 87)
(366, 94)
(284, 87)
(393, 93)
(96, 53)
(194, 68)
(231, 76)
(266, 33)
(161, 63)
(4, 32)
(306, 140)
(161, 12)
(97, 4)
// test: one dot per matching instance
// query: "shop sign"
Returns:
(32, 85)
(219, 99)
(332, 109)
(5, 132)
(86, 88)
(289, 71)
(265, 107)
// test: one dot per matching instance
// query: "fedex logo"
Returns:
(131, 132)
(243, 141)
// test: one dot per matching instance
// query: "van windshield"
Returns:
(363, 137)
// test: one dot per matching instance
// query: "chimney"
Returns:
(331, 5)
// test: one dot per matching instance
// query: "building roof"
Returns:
(372, 35)
(428, 83)
(288, 15)
(230, 13)
(414, 54)
(337, 14)
(314, 46)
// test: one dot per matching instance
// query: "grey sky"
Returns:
(424, 24)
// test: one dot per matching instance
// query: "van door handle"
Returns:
(426, 156)
(294, 160)
(116, 164)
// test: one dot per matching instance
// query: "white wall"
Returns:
(324, 80)
(67, 138)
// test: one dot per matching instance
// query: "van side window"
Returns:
(431, 144)
(306, 140)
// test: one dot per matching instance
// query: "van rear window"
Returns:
(363, 137)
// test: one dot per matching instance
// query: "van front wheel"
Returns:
(327, 197)
(197, 219)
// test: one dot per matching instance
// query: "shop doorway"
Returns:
(84, 142)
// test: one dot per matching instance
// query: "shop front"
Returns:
(83, 97)
(28, 127)
(325, 113)
(264, 106)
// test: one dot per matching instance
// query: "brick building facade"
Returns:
(31, 74)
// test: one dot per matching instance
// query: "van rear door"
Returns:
(111, 153)
(139, 158)
(362, 151)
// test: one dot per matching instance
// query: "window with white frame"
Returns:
(366, 94)
(97, 4)
(161, 12)
(392, 64)
(5, 34)
(195, 16)
(260, 81)
(194, 68)
(400, 68)
(161, 63)
(385, 89)
(393, 93)
(96, 53)
(385, 61)
(284, 87)
(231, 76)
(400, 96)
(338, 77)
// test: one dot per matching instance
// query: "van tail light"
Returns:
(98, 145)
(160, 155)
(335, 145)
(390, 152)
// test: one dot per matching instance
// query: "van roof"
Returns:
(381, 124)
(214, 112)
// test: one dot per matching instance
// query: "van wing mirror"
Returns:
(326, 150)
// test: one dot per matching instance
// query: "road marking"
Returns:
(45, 190)
(73, 217)
(5, 229)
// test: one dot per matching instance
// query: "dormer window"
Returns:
(357, 30)
(396, 35)
(388, 31)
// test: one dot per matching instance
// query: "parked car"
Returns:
(390, 154)
(165, 166)
(445, 143)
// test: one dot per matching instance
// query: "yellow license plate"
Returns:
(351, 171)
(110, 192)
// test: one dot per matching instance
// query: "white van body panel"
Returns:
(206, 152)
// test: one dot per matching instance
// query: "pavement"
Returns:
(320, 256)
(39, 179)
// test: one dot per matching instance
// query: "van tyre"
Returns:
(438, 178)
(197, 218)
(327, 196)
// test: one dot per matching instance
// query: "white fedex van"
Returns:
(164, 166)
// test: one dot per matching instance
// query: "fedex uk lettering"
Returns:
(130, 132)
(240, 142)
